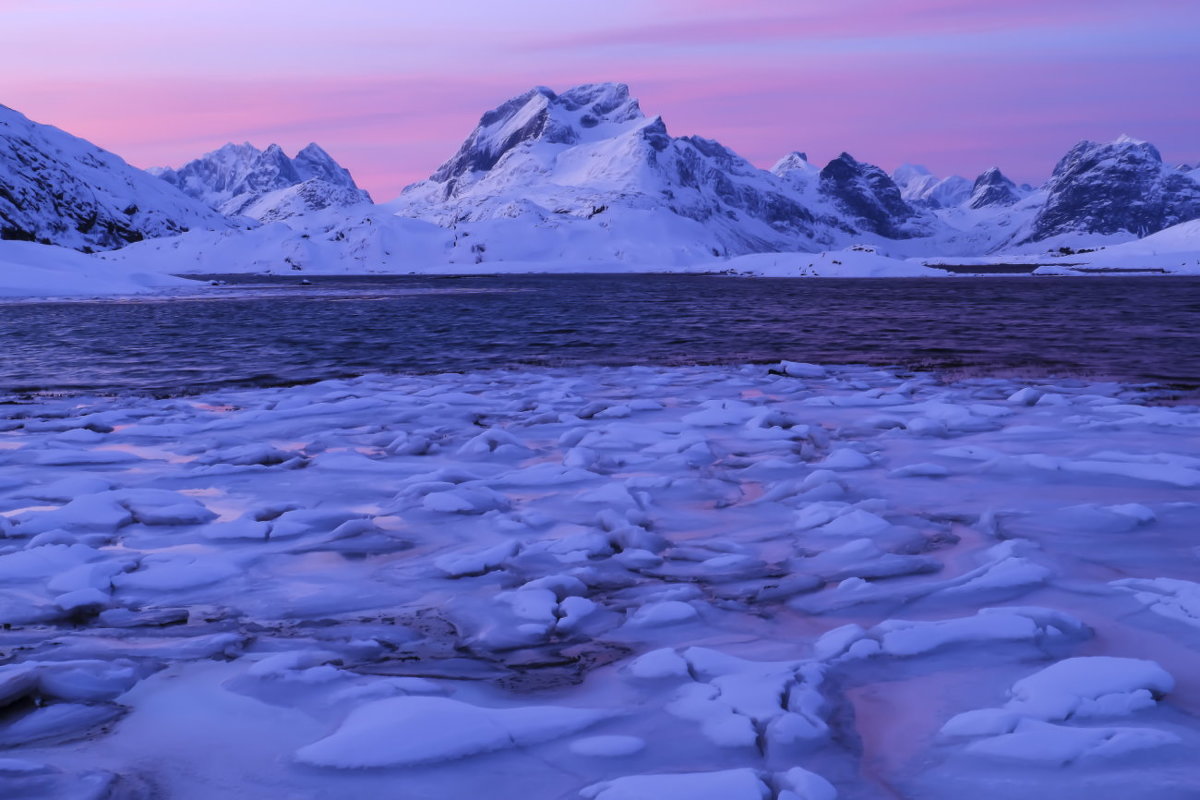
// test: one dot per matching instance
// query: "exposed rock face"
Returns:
(868, 196)
(1119, 186)
(59, 189)
(993, 189)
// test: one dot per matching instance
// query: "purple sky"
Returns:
(391, 88)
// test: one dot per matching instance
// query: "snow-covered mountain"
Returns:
(918, 186)
(241, 180)
(583, 180)
(56, 188)
(1114, 187)
(870, 200)
(992, 188)
(589, 159)
(590, 153)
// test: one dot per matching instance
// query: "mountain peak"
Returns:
(992, 188)
(585, 112)
(602, 101)
(1125, 138)
(793, 160)
(868, 194)
(905, 174)
(235, 177)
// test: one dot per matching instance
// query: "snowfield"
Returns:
(37, 270)
(792, 582)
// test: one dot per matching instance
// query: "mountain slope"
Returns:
(59, 189)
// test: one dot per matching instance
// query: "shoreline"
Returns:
(938, 272)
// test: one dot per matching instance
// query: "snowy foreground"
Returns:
(615, 584)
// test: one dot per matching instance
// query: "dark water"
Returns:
(1140, 330)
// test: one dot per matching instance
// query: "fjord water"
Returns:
(260, 331)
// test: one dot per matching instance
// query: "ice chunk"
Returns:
(402, 731)
(1090, 686)
(247, 455)
(807, 785)
(845, 459)
(855, 522)
(1038, 742)
(668, 612)
(463, 500)
(494, 441)
(897, 637)
(1073, 689)
(65, 490)
(921, 470)
(1169, 597)
(82, 600)
(458, 565)
(718, 413)
(238, 529)
(164, 572)
(1025, 397)
(45, 561)
(58, 722)
(100, 513)
(799, 369)
(733, 784)
(661, 663)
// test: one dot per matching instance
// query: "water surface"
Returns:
(1139, 330)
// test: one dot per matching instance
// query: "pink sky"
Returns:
(390, 88)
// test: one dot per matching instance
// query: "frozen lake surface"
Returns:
(602, 583)
(280, 333)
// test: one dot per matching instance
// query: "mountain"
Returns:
(993, 189)
(590, 154)
(56, 188)
(870, 199)
(241, 180)
(796, 170)
(1114, 187)
(918, 186)
(583, 180)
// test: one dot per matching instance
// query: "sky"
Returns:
(391, 87)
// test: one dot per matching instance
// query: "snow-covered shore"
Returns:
(28, 269)
(616, 584)
(384, 244)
